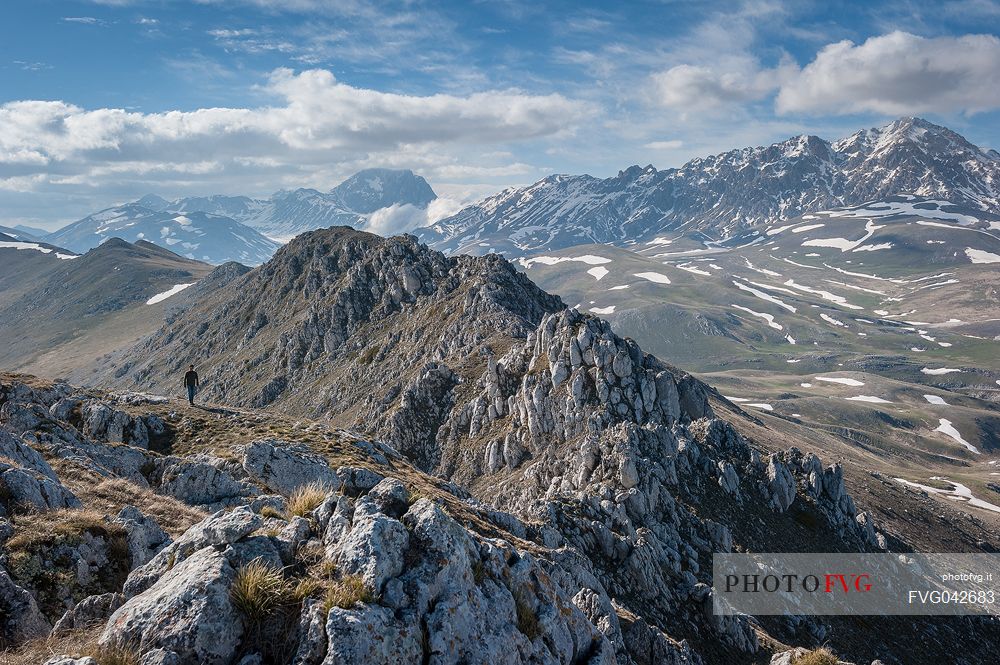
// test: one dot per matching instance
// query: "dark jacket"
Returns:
(191, 379)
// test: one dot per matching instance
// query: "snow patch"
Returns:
(655, 277)
(946, 428)
(959, 493)
(764, 296)
(842, 380)
(935, 399)
(868, 398)
(589, 259)
(696, 271)
(35, 246)
(980, 256)
(763, 315)
(174, 290)
(598, 272)
(938, 371)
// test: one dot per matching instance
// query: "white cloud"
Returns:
(86, 20)
(398, 219)
(672, 144)
(317, 122)
(704, 87)
(898, 73)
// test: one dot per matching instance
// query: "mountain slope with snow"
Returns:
(195, 235)
(725, 195)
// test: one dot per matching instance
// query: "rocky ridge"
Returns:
(560, 431)
(424, 551)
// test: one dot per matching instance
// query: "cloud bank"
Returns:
(893, 74)
(317, 121)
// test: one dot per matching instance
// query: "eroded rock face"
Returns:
(203, 481)
(28, 481)
(145, 537)
(187, 611)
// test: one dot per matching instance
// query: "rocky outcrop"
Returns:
(203, 480)
(219, 529)
(144, 536)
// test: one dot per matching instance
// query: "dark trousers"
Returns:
(191, 390)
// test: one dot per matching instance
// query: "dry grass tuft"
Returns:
(32, 532)
(271, 511)
(307, 587)
(347, 592)
(821, 656)
(307, 498)
(259, 590)
(116, 655)
(111, 495)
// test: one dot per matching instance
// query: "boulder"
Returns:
(201, 481)
(221, 528)
(188, 611)
(282, 467)
(372, 635)
(144, 535)
(374, 547)
(26, 489)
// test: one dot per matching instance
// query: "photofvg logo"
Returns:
(870, 584)
(825, 582)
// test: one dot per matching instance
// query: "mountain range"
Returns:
(727, 195)
(218, 228)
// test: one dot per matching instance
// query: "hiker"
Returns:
(191, 383)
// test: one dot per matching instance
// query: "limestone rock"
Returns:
(221, 528)
(188, 611)
(145, 537)
(283, 467)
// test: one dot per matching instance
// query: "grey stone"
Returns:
(282, 467)
(88, 612)
(187, 611)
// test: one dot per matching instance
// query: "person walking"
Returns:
(191, 383)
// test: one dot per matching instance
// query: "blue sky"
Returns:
(102, 101)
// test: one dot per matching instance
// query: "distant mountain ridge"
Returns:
(198, 235)
(291, 212)
(220, 228)
(727, 194)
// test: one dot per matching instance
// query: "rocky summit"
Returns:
(403, 457)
